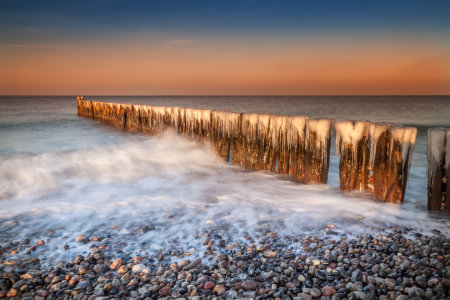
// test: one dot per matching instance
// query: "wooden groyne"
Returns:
(373, 157)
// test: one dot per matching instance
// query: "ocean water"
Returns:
(62, 176)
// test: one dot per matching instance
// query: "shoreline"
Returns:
(391, 264)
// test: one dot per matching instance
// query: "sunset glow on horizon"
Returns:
(224, 50)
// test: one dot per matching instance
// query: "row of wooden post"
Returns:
(374, 157)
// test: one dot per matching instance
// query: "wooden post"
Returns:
(219, 135)
(144, 115)
(201, 119)
(121, 116)
(352, 144)
(403, 140)
(438, 155)
(380, 138)
(266, 159)
(85, 109)
(296, 143)
(317, 148)
(133, 118)
(280, 147)
(251, 141)
(180, 120)
(237, 145)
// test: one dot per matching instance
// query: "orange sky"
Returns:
(228, 67)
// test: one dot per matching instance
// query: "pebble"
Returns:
(209, 285)
(166, 291)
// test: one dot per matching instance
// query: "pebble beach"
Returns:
(390, 263)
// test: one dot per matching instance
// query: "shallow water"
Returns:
(77, 176)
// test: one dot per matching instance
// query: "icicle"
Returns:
(250, 122)
(264, 123)
(296, 130)
(279, 126)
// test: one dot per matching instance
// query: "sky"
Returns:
(112, 47)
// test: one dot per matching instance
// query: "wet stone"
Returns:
(165, 291)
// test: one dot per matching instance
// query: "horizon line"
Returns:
(227, 95)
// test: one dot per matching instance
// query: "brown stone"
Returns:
(122, 270)
(166, 291)
(115, 264)
(263, 291)
(12, 293)
(209, 285)
(270, 254)
(328, 291)
(40, 243)
(219, 289)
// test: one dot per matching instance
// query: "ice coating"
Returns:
(226, 122)
(181, 117)
(280, 125)
(296, 128)
(350, 133)
(376, 129)
(252, 121)
(436, 150)
(158, 113)
(265, 123)
(323, 129)
(188, 116)
(406, 136)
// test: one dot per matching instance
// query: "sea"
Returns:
(62, 176)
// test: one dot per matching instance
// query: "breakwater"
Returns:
(373, 156)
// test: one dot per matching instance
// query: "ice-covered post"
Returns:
(266, 159)
(145, 118)
(251, 141)
(317, 150)
(380, 138)
(219, 136)
(296, 144)
(401, 148)
(352, 144)
(279, 137)
(84, 108)
(121, 113)
(438, 169)
(181, 121)
(133, 118)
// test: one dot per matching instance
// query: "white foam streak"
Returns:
(178, 186)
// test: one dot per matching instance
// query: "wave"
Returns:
(179, 189)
